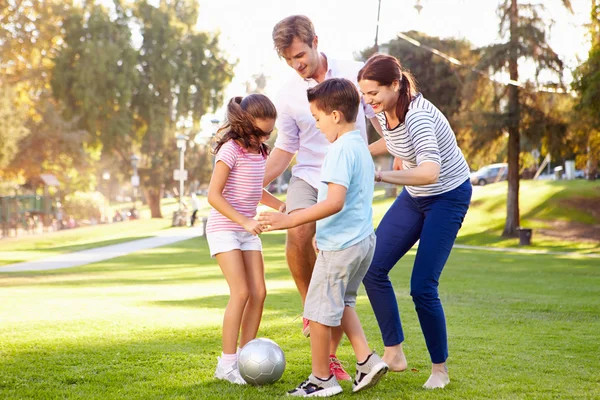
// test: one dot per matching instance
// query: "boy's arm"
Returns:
(336, 197)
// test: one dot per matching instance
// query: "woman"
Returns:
(431, 208)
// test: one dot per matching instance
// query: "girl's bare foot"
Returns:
(394, 357)
(439, 377)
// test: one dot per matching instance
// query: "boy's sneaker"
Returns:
(315, 387)
(369, 373)
(305, 327)
(337, 370)
(229, 372)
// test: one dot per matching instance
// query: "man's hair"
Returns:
(288, 28)
(336, 94)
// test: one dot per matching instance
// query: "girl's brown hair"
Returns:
(384, 70)
(240, 125)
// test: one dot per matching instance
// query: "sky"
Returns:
(345, 27)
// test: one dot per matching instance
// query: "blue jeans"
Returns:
(434, 221)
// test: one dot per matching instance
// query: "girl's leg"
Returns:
(257, 291)
(232, 265)
(398, 231)
(443, 219)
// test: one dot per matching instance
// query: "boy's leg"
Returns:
(320, 337)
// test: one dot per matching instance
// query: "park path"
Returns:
(170, 236)
(78, 258)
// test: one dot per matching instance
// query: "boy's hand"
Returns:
(397, 164)
(315, 244)
(253, 226)
(272, 221)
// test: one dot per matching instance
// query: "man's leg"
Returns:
(300, 255)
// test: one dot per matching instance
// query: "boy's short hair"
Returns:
(288, 28)
(336, 94)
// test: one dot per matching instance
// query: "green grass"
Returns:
(147, 326)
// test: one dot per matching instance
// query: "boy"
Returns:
(345, 239)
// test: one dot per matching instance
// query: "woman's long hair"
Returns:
(384, 70)
(240, 125)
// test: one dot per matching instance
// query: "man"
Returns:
(295, 40)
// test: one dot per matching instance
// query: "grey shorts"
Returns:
(335, 281)
(300, 195)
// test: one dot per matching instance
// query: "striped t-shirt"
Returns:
(426, 135)
(243, 189)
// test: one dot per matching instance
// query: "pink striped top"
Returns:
(243, 189)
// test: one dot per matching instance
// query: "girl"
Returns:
(431, 208)
(232, 232)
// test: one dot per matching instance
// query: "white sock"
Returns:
(228, 359)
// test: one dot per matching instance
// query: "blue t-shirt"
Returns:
(347, 163)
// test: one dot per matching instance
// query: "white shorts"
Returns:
(222, 241)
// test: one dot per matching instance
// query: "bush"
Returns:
(84, 205)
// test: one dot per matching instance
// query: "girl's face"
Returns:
(266, 125)
(381, 98)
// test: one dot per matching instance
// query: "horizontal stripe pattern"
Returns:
(243, 189)
(426, 136)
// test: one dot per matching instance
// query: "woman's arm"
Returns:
(219, 203)
(425, 174)
(378, 148)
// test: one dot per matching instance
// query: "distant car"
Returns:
(490, 174)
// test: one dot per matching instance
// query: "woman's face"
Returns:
(381, 98)
(266, 125)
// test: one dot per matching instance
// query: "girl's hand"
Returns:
(272, 221)
(253, 226)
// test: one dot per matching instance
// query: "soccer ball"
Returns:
(261, 362)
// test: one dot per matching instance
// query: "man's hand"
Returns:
(253, 226)
(272, 221)
(282, 208)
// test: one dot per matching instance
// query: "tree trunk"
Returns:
(514, 146)
(153, 196)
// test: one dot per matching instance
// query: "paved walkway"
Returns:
(78, 258)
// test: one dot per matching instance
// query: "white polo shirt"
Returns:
(296, 127)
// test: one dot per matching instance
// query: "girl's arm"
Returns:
(219, 203)
(425, 174)
(271, 201)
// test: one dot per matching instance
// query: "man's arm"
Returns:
(277, 162)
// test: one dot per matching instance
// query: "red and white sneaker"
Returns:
(305, 327)
(337, 370)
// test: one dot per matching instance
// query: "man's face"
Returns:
(302, 57)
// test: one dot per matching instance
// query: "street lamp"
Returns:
(181, 142)
(135, 179)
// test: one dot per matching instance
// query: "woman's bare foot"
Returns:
(439, 377)
(394, 357)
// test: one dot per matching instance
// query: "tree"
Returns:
(524, 28)
(587, 84)
(12, 125)
(182, 76)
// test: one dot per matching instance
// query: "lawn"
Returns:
(147, 326)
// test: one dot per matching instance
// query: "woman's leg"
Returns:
(443, 219)
(232, 265)
(257, 291)
(397, 233)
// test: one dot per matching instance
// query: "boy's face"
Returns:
(302, 57)
(326, 123)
